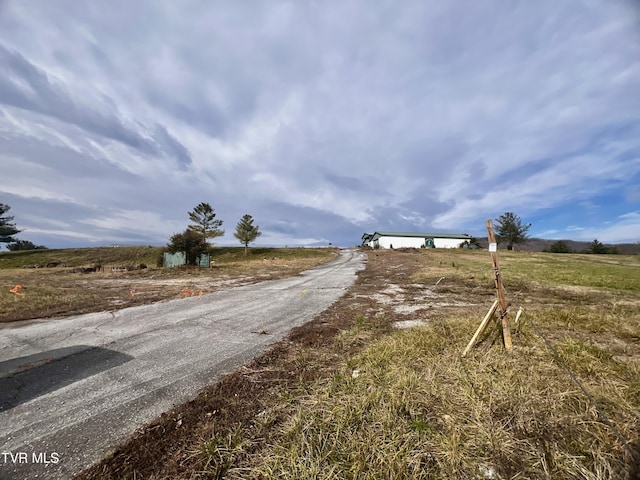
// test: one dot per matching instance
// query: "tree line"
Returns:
(596, 247)
(194, 241)
(511, 230)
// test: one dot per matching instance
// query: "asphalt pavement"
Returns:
(73, 388)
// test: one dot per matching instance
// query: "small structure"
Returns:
(413, 240)
(180, 258)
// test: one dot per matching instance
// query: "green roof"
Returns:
(377, 235)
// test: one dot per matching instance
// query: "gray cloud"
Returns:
(354, 184)
(296, 221)
(29, 88)
(323, 119)
(197, 111)
(74, 163)
(168, 144)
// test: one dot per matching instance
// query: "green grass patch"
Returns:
(598, 271)
(533, 269)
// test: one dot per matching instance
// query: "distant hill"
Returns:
(540, 245)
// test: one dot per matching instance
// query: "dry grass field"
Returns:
(68, 286)
(351, 396)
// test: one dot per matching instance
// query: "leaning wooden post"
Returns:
(502, 298)
(481, 328)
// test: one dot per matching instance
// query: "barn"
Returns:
(413, 240)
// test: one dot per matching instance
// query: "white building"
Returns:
(413, 240)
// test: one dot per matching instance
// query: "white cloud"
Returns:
(292, 241)
(35, 192)
(623, 229)
(71, 234)
(40, 220)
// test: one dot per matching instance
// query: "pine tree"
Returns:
(246, 232)
(511, 230)
(205, 223)
(560, 247)
(7, 229)
(597, 247)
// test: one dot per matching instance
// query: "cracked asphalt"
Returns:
(71, 389)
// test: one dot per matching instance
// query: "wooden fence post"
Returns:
(502, 298)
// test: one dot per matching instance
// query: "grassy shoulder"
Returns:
(408, 405)
(348, 396)
(60, 282)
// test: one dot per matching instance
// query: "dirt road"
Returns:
(72, 388)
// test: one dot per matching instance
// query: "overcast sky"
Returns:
(322, 119)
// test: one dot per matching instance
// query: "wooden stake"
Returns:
(502, 298)
(481, 328)
(520, 310)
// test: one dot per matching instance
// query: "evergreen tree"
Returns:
(7, 228)
(205, 223)
(597, 247)
(189, 242)
(24, 245)
(559, 247)
(511, 230)
(246, 232)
